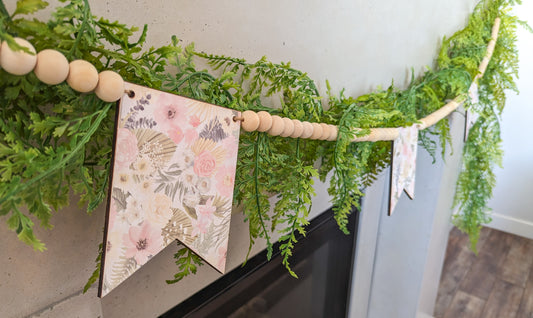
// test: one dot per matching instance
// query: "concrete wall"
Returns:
(512, 200)
(358, 45)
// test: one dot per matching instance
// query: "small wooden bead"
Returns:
(334, 132)
(110, 86)
(18, 62)
(317, 131)
(308, 130)
(265, 121)
(298, 128)
(250, 121)
(326, 131)
(52, 67)
(289, 127)
(278, 125)
(82, 76)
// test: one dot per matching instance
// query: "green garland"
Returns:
(55, 142)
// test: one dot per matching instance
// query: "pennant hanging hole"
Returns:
(130, 93)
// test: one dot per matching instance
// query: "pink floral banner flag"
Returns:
(172, 179)
(403, 167)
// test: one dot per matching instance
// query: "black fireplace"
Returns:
(323, 262)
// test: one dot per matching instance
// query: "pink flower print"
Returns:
(191, 136)
(221, 255)
(225, 178)
(194, 121)
(112, 213)
(204, 164)
(176, 134)
(170, 115)
(158, 211)
(200, 226)
(231, 144)
(204, 218)
(142, 242)
(206, 211)
(126, 148)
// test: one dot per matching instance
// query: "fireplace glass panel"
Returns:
(323, 262)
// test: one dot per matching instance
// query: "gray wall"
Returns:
(512, 199)
(358, 45)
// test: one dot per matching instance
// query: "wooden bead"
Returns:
(110, 86)
(52, 67)
(298, 128)
(289, 127)
(317, 131)
(326, 131)
(18, 62)
(308, 130)
(278, 125)
(334, 132)
(82, 76)
(265, 121)
(250, 121)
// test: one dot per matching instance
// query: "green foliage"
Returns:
(482, 150)
(187, 262)
(54, 141)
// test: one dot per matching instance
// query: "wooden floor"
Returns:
(498, 282)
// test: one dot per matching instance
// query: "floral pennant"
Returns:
(403, 165)
(471, 118)
(173, 177)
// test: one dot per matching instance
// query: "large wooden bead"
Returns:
(317, 131)
(334, 132)
(308, 130)
(82, 76)
(326, 131)
(265, 121)
(278, 125)
(110, 86)
(298, 128)
(18, 62)
(250, 121)
(52, 67)
(289, 127)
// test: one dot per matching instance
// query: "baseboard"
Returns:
(511, 225)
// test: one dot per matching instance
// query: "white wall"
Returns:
(513, 199)
(358, 45)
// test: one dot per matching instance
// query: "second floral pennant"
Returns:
(173, 178)
(403, 167)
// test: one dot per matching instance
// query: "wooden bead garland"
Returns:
(307, 130)
(317, 131)
(83, 76)
(298, 129)
(333, 133)
(17, 62)
(326, 131)
(278, 126)
(289, 127)
(52, 67)
(110, 86)
(265, 121)
(250, 120)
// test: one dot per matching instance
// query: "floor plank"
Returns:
(518, 262)
(504, 300)
(465, 306)
(526, 304)
(455, 268)
(480, 278)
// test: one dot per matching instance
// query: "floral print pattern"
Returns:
(403, 167)
(173, 178)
